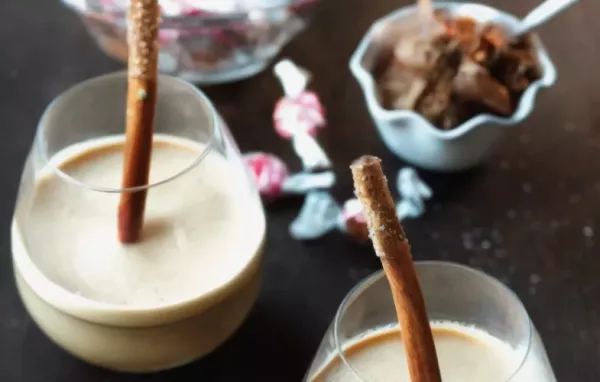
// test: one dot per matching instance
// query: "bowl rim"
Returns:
(367, 82)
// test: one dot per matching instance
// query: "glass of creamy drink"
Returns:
(481, 331)
(191, 280)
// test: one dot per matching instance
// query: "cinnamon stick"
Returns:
(392, 247)
(141, 104)
(425, 10)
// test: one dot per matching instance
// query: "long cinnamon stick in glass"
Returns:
(141, 105)
(392, 247)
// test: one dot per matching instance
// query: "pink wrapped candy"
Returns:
(299, 115)
(355, 223)
(302, 113)
(273, 180)
(269, 173)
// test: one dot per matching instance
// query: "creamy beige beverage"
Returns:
(200, 230)
(195, 268)
(464, 354)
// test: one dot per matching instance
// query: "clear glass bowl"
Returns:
(204, 46)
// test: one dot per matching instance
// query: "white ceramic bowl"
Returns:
(412, 137)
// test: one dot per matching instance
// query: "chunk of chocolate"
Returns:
(492, 43)
(416, 53)
(465, 30)
(461, 70)
(437, 97)
(474, 83)
(400, 89)
(519, 68)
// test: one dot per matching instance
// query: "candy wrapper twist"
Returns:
(321, 214)
(273, 180)
(298, 117)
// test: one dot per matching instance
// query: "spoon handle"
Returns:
(542, 13)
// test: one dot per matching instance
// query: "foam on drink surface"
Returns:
(465, 354)
(201, 229)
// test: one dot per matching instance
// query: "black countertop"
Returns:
(528, 216)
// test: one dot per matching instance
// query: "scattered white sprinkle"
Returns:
(534, 278)
(486, 244)
(527, 187)
(588, 231)
(511, 214)
(435, 235)
(142, 94)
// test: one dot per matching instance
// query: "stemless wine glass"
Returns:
(452, 293)
(120, 335)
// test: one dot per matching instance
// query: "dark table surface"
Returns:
(535, 204)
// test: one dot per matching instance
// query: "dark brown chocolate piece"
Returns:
(518, 68)
(416, 53)
(466, 32)
(474, 83)
(400, 89)
(437, 97)
(491, 45)
(462, 70)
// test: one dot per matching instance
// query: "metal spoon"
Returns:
(542, 13)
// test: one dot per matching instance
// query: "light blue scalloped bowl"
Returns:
(413, 138)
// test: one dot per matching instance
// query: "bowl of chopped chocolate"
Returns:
(444, 81)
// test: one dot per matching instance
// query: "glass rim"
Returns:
(371, 279)
(81, 87)
(121, 9)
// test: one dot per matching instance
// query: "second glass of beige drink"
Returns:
(192, 279)
(481, 332)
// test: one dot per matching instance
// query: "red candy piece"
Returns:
(269, 173)
(356, 224)
(303, 113)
